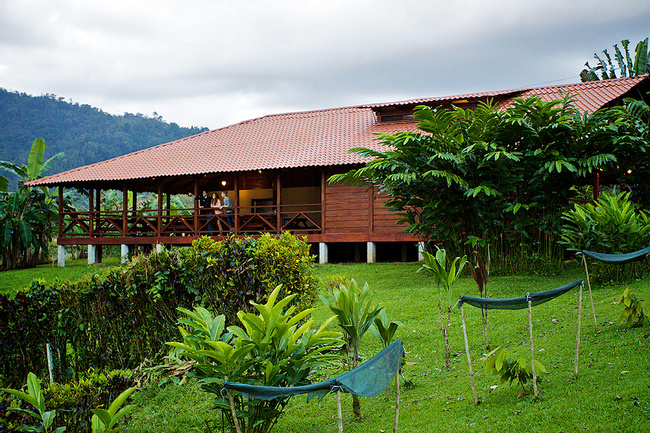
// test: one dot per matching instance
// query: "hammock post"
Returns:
(396, 402)
(532, 351)
(469, 359)
(593, 311)
(339, 415)
(233, 411)
(578, 330)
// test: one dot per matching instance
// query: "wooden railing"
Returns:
(298, 219)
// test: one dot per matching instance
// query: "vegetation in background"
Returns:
(85, 134)
(605, 69)
(611, 225)
(277, 346)
(124, 317)
(27, 215)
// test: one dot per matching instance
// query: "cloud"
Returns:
(212, 62)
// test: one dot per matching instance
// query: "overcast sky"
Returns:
(213, 63)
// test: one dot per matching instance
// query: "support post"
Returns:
(124, 253)
(61, 256)
(421, 249)
(322, 253)
(396, 402)
(92, 254)
(591, 298)
(575, 367)
(532, 351)
(469, 359)
(371, 252)
(339, 414)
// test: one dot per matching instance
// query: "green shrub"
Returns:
(510, 369)
(75, 399)
(635, 312)
(613, 225)
(278, 346)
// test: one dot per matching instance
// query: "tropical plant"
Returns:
(504, 365)
(384, 329)
(635, 312)
(105, 421)
(480, 273)
(35, 397)
(274, 347)
(27, 215)
(611, 225)
(355, 315)
(444, 278)
(605, 69)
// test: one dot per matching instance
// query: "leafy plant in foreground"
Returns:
(104, 421)
(355, 315)
(35, 397)
(635, 312)
(508, 368)
(444, 279)
(274, 347)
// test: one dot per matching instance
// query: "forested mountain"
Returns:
(85, 134)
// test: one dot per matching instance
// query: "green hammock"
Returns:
(614, 259)
(367, 380)
(517, 303)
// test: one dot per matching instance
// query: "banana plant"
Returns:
(444, 278)
(35, 397)
(105, 421)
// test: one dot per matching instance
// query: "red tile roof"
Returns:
(302, 139)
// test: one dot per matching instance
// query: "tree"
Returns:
(501, 177)
(27, 214)
(605, 69)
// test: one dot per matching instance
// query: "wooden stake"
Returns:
(233, 411)
(469, 359)
(578, 330)
(338, 411)
(593, 311)
(396, 403)
(532, 351)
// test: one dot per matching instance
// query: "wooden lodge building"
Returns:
(275, 170)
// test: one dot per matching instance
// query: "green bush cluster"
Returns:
(611, 225)
(124, 317)
(74, 400)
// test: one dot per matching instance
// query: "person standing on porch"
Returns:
(215, 204)
(227, 205)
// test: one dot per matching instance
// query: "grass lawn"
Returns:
(611, 392)
(13, 281)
